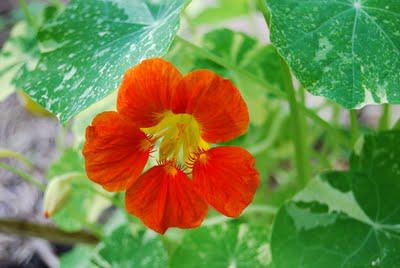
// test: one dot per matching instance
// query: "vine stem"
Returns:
(299, 137)
(26, 228)
(384, 121)
(354, 126)
(28, 15)
(24, 176)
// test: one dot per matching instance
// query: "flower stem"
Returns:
(299, 135)
(354, 126)
(28, 15)
(5, 153)
(24, 176)
(26, 228)
(384, 121)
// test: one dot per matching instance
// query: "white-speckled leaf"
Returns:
(227, 245)
(345, 50)
(87, 49)
(124, 248)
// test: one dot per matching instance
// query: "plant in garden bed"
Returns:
(278, 157)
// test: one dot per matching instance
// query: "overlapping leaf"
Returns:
(346, 219)
(86, 50)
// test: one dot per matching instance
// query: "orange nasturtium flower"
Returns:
(182, 115)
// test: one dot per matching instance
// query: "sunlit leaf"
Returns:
(87, 49)
(348, 51)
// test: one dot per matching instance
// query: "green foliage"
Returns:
(87, 49)
(223, 10)
(224, 245)
(346, 219)
(124, 247)
(80, 257)
(132, 248)
(347, 51)
(20, 53)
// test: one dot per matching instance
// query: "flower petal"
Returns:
(164, 197)
(215, 103)
(226, 178)
(115, 151)
(145, 93)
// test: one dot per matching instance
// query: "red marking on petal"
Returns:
(215, 103)
(46, 214)
(226, 178)
(115, 151)
(145, 93)
(164, 197)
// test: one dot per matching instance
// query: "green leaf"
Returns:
(222, 10)
(346, 219)
(87, 49)
(123, 248)
(21, 50)
(226, 245)
(347, 51)
(80, 257)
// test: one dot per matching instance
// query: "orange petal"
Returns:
(145, 93)
(215, 103)
(164, 197)
(115, 151)
(226, 178)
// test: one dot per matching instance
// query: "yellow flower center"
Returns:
(180, 136)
